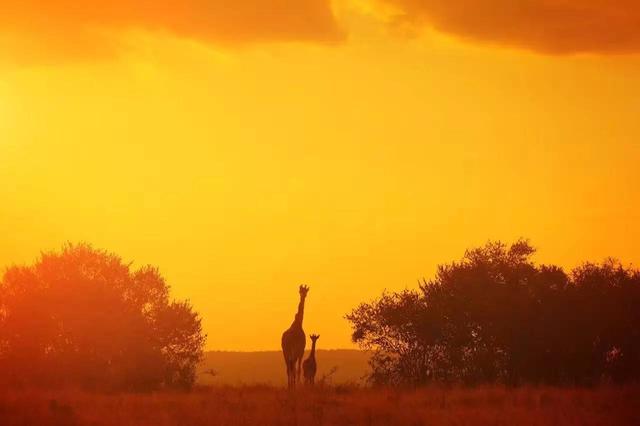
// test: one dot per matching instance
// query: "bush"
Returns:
(495, 316)
(82, 317)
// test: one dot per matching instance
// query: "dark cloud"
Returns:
(51, 28)
(550, 26)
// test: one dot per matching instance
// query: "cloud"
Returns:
(62, 28)
(549, 26)
(55, 30)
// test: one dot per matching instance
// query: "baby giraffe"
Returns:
(309, 366)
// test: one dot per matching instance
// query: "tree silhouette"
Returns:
(83, 317)
(497, 316)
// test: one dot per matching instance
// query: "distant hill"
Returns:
(234, 368)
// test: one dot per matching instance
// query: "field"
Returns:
(262, 405)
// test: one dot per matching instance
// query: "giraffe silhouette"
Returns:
(294, 341)
(309, 366)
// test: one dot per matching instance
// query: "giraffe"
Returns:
(294, 342)
(309, 365)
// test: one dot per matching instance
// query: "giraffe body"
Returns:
(294, 341)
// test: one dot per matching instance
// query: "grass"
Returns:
(263, 405)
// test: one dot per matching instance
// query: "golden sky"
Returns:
(352, 146)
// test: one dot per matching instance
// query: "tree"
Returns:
(497, 316)
(83, 317)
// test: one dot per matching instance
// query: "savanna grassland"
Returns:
(262, 405)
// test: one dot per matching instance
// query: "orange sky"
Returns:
(351, 146)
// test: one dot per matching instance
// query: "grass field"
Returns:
(257, 405)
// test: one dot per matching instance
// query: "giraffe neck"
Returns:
(313, 349)
(297, 322)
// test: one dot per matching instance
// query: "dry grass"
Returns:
(258, 405)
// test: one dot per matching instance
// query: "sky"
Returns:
(351, 145)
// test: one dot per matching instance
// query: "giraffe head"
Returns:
(314, 337)
(303, 291)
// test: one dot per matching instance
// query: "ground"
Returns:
(262, 405)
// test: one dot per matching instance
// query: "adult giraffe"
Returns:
(294, 341)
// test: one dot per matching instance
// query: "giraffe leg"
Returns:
(291, 372)
(299, 369)
(288, 364)
(292, 376)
